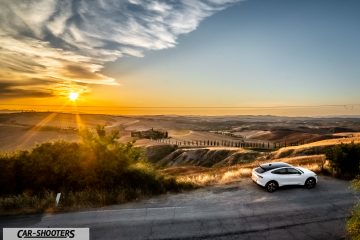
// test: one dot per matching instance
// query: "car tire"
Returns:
(271, 186)
(310, 183)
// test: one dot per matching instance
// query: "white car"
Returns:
(277, 174)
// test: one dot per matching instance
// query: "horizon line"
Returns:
(184, 107)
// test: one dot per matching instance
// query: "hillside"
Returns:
(170, 156)
(316, 147)
(310, 156)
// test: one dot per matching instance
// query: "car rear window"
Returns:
(259, 170)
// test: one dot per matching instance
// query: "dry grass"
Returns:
(184, 170)
(26, 204)
(217, 176)
(232, 175)
(214, 177)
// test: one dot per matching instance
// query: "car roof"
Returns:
(273, 165)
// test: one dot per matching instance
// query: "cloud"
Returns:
(70, 41)
(13, 89)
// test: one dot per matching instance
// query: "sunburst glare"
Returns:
(73, 96)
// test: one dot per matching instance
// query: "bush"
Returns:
(344, 160)
(353, 223)
(98, 171)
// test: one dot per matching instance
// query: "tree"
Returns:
(345, 159)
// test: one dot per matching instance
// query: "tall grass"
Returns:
(216, 177)
(25, 203)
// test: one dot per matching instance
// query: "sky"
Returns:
(281, 57)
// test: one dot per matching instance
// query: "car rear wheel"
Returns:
(271, 186)
(310, 183)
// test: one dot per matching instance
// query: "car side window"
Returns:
(279, 171)
(292, 171)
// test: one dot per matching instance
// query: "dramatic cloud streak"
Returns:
(68, 42)
(11, 89)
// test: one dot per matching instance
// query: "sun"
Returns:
(73, 96)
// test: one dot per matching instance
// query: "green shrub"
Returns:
(344, 160)
(98, 171)
(353, 223)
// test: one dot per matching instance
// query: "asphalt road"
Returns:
(237, 211)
